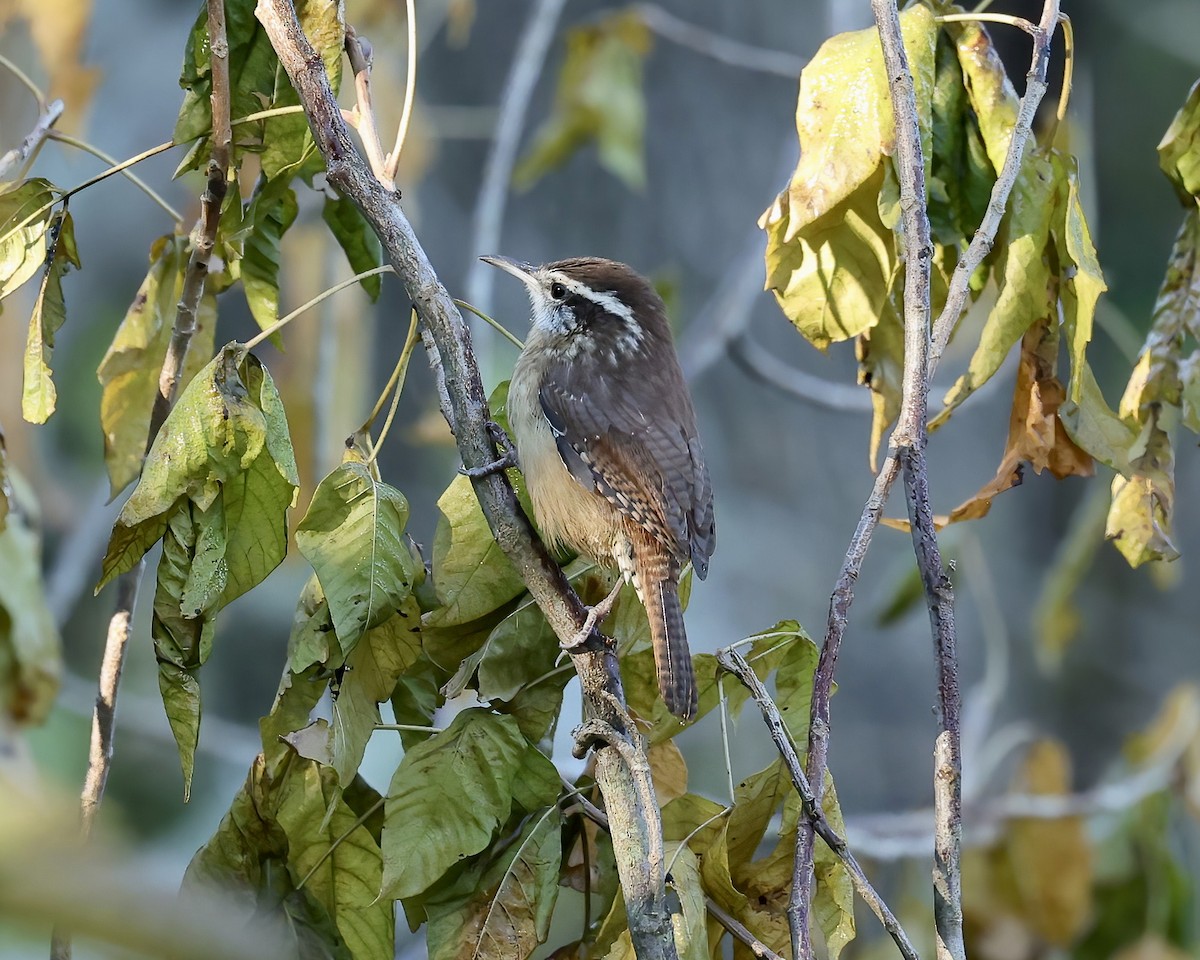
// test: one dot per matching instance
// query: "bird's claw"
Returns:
(507, 458)
(595, 616)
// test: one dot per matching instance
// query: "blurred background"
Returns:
(790, 475)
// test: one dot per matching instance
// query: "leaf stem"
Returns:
(21, 75)
(319, 298)
(410, 344)
(128, 174)
(392, 160)
(494, 324)
(408, 728)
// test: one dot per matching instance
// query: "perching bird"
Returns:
(606, 437)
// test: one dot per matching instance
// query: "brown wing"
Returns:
(633, 441)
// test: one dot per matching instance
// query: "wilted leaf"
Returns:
(447, 798)
(1095, 427)
(507, 911)
(129, 372)
(30, 654)
(1051, 859)
(470, 572)
(269, 215)
(1179, 150)
(989, 91)
(22, 248)
(880, 353)
(49, 313)
(599, 100)
(353, 535)
(1083, 280)
(356, 238)
(689, 921)
(372, 669)
(669, 771)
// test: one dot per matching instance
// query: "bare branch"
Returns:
(203, 240)
(33, 141)
(527, 64)
(981, 243)
(733, 53)
(636, 830)
(362, 116)
(733, 662)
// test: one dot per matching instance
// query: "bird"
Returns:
(605, 435)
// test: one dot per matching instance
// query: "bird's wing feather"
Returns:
(649, 467)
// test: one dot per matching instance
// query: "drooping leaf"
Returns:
(1179, 150)
(129, 372)
(372, 669)
(38, 397)
(353, 535)
(689, 923)
(22, 245)
(269, 215)
(599, 100)
(447, 798)
(880, 353)
(669, 771)
(30, 649)
(1083, 280)
(506, 912)
(471, 574)
(356, 238)
(991, 95)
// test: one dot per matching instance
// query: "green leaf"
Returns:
(447, 799)
(22, 251)
(269, 215)
(129, 372)
(49, 313)
(216, 432)
(308, 642)
(1093, 425)
(337, 857)
(599, 100)
(357, 240)
(471, 574)
(991, 95)
(353, 535)
(537, 784)
(1179, 150)
(30, 649)
(1084, 281)
(507, 911)
(1023, 274)
(794, 679)
(372, 669)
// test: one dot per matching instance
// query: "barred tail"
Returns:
(671, 657)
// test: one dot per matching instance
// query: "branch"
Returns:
(733, 662)
(908, 442)
(100, 753)
(527, 64)
(733, 53)
(981, 243)
(33, 140)
(636, 830)
(362, 116)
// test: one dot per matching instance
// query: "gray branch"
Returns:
(636, 830)
(34, 139)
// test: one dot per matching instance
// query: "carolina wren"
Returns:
(606, 437)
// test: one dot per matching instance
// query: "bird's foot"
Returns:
(595, 616)
(507, 458)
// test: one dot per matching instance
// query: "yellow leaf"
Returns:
(669, 771)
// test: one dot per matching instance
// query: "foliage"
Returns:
(480, 837)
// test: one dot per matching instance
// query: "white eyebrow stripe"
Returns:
(600, 298)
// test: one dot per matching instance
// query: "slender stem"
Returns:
(128, 174)
(22, 76)
(488, 218)
(733, 662)
(267, 114)
(408, 728)
(733, 53)
(25, 153)
(362, 117)
(981, 243)
(410, 92)
(203, 240)
(120, 167)
(319, 298)
(410, 343)
(740, 931)
(494, 324)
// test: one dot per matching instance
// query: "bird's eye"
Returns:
(558, 291)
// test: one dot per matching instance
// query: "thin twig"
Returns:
(319, 298)
(19, 156)
(460, 388)
(362, 116)
(908, 441)
(203, 241)
(129, 175)
(733, 662)
(733, 53)
(25, 80)
(981, 243)
(392, 161)
(488, 217)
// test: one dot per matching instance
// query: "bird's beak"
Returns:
(518, 268)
